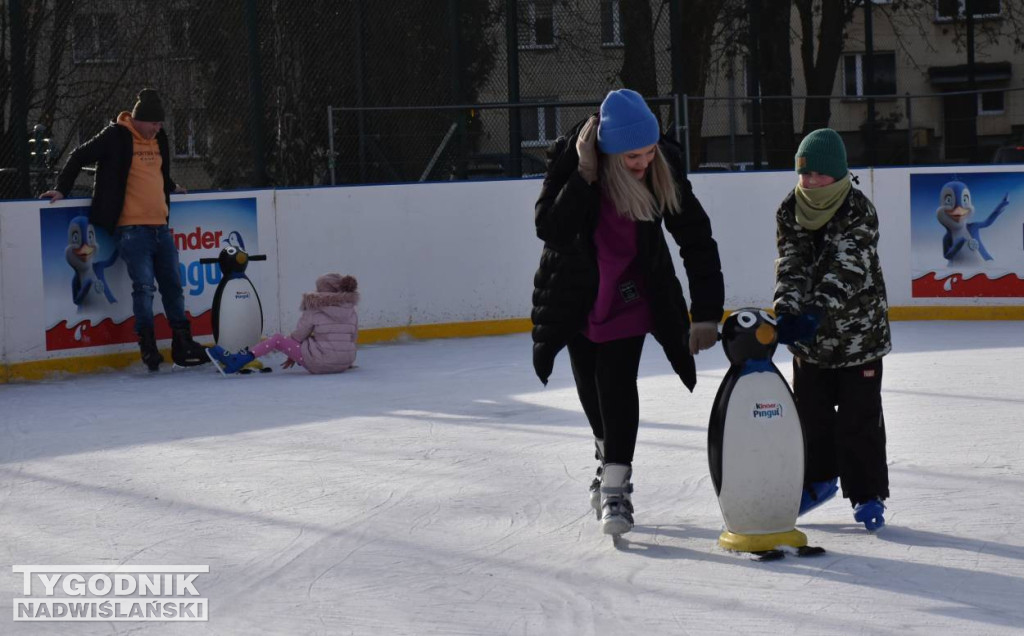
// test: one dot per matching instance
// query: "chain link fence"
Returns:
(273, 93)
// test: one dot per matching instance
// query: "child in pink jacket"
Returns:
(324, 341)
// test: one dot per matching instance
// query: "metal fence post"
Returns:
(19, 99)
(910, 131)
(686, 130)
(330, 141)
(256, 97)
(675, 117)
(515, 151)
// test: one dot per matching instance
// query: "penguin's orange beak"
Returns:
(84, 251)
(957, 213)
(765, 334)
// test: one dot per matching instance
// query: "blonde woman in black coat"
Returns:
(606, 277)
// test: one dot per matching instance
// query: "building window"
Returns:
(991, 103)
(611, 23)
(94, 37)
(884, 71)
(539, 125)
(946, 10)
(537, 24)
(179, 34)
(189, 134)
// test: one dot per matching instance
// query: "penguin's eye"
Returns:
(746, 319)
(75, 237)
(965, 199)
(767, 317)
(92, 235)
(230, 251)
(947, 200)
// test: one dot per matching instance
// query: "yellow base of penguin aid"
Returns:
(761, 542)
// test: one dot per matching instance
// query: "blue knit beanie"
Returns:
(626, 123)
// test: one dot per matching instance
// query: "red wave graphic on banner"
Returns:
(106, 332)
(977, 286)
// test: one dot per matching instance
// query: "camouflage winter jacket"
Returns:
(835, 270)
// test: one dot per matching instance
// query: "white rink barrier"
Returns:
(458, 258)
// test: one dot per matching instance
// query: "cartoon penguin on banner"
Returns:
(961, 245)
(237, 311)
(756, 443)
(80, 252)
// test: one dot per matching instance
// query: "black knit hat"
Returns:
(148, 108)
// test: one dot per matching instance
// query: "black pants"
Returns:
(605, 376)
(841, 412)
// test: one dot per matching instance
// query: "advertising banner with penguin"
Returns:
(967, 234)
(87, 292)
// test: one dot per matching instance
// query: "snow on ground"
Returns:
(439, 488)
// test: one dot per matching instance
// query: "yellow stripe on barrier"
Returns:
(959, 312)
(42, 369)
(446, 330)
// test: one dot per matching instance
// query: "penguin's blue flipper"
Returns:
(950, 251)
(995, 213)
(78, 290)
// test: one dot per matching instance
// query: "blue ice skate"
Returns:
(229, 362)
(816, 494)
(870, 514)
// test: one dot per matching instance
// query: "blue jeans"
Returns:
(150, 254)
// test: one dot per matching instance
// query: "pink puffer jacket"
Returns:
(327, 330)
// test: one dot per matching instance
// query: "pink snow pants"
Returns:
(282, 343)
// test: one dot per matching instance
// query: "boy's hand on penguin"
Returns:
(586, 148)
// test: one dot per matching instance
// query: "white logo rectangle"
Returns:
(110, 593)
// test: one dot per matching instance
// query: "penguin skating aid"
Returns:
(756, 444)
(237, 313)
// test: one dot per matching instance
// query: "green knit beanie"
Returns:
(822, 151)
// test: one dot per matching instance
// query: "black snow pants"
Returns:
(841, 412)
(605, 376)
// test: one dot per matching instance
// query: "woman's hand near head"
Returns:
(586, 148)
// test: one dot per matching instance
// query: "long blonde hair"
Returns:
(640, 200)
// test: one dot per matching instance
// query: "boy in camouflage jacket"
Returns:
(832, 310)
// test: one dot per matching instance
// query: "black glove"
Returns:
(802, 328)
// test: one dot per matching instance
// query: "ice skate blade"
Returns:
(216, 364)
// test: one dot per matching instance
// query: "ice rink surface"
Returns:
(439, 488)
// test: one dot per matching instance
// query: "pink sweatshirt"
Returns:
(622, 309)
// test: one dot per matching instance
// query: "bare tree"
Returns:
(823, 23)
(638, 71)
(776, 78)
(701, 33)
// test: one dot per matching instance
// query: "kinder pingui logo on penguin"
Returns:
(110, 593)
(242, 294)
(767, 410)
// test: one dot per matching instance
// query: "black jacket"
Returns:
(565, 285)
(111, 151)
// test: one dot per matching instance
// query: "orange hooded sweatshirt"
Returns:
(144, 202)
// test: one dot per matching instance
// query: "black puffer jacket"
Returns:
(111, 150)
(565, 286)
